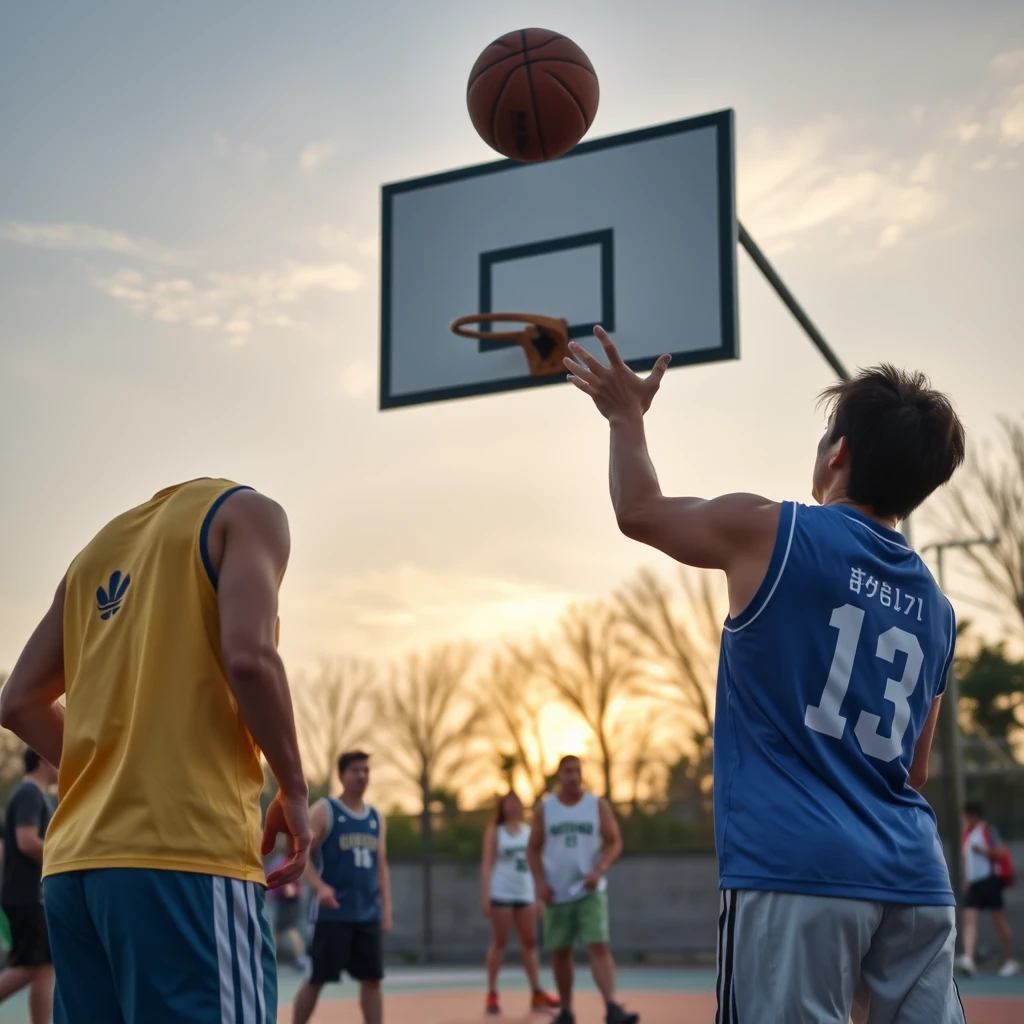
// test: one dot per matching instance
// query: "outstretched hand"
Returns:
(616, 390)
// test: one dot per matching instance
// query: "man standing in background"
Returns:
(574, 840)
(28, 815)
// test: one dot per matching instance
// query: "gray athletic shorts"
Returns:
(790, 959)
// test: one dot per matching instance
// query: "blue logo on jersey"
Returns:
(108, 601)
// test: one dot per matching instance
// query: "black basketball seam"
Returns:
(497, 103)
(516, 53)
(533, 100)
(574, 98)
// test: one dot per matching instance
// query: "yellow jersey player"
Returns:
(163, 635)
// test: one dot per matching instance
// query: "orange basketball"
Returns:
(532, 94)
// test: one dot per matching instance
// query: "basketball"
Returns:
(532, 95)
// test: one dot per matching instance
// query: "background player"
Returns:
(833, 658)
(352, 890)
(509, 897)
(574, 840)
(163, 634)
(983, 849)
(28, 814)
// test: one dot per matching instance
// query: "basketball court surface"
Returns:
(454, 995)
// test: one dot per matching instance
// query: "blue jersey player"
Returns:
(833, 661)
(350, 879)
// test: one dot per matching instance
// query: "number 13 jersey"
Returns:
(347, 861)
(825, 682)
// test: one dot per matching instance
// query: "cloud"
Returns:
(86, 238)
(236, 304)
(358, 379)
(336, 239)
(315, 154)
(406, 607)
(1000, 118)
(246, 153)
(800, 183)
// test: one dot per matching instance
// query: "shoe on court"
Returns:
(617, 1015)
(565, 1017)
(491, 1005)
(544, 1001)
(1009, 969)
(965, 965)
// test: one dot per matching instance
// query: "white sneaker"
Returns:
(965, 964)
(1009, 969)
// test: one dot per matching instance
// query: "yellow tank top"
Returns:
(158, 768)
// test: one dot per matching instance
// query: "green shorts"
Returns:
(584, 921)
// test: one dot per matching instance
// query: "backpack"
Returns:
(1002, 866)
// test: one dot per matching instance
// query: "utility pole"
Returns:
(950, 739)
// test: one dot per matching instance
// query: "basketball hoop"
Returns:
(544, 339)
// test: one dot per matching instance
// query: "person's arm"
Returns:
(922, 751)
(249, 545)
(29, 841)
(710, 534)
(487, 866)
(29, 704)
(535, 853)
(611, 843)
(384, 877)
(318, 824)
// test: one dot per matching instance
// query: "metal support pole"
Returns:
(952, 762)
(789, 300)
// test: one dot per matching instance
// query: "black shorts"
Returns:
(514, 904)
(30, 942)
(986, 894)
(349, 946)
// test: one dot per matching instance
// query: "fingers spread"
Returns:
(581, 384)
(608, 345)
(591, 362)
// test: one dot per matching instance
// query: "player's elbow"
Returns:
(249, 664)
(12, 708)
(634, 522)
(918, 777)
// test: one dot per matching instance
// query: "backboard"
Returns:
(636, 232)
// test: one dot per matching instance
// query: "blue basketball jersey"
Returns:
(347, 861)
(824, 685)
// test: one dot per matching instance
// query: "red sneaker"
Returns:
(542, 1001)
(492, 1006)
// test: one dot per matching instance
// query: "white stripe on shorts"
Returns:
(250, 892)
(243, 951)
(223, 939)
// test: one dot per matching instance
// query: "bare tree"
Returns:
(648, 752)
(683, 643)
(329, 712)
(986, 499)
(516, 699)
(430, 719)
(591, 670)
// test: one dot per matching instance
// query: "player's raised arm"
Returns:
(252, 532)
(29, 703)
(710, 534)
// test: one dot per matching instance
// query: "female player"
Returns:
(509, 898)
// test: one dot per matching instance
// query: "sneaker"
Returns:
(617, 1015)
(491, 1006)
(543, 1001)
(1009, 969)
(966, 965)
(565, 1017)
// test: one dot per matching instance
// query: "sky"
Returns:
(189, 271)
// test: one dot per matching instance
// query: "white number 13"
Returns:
(825, 717)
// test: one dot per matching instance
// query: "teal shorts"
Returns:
(136, 946)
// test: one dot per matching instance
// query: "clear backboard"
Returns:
(636, 232)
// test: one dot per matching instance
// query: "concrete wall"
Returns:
(663, 906)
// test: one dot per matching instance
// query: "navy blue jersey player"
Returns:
(349, 875)
(833, 661)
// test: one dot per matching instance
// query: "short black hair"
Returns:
(905, 438)
(32, 760)
(566, 759)
(975, 808)
(349, 758)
